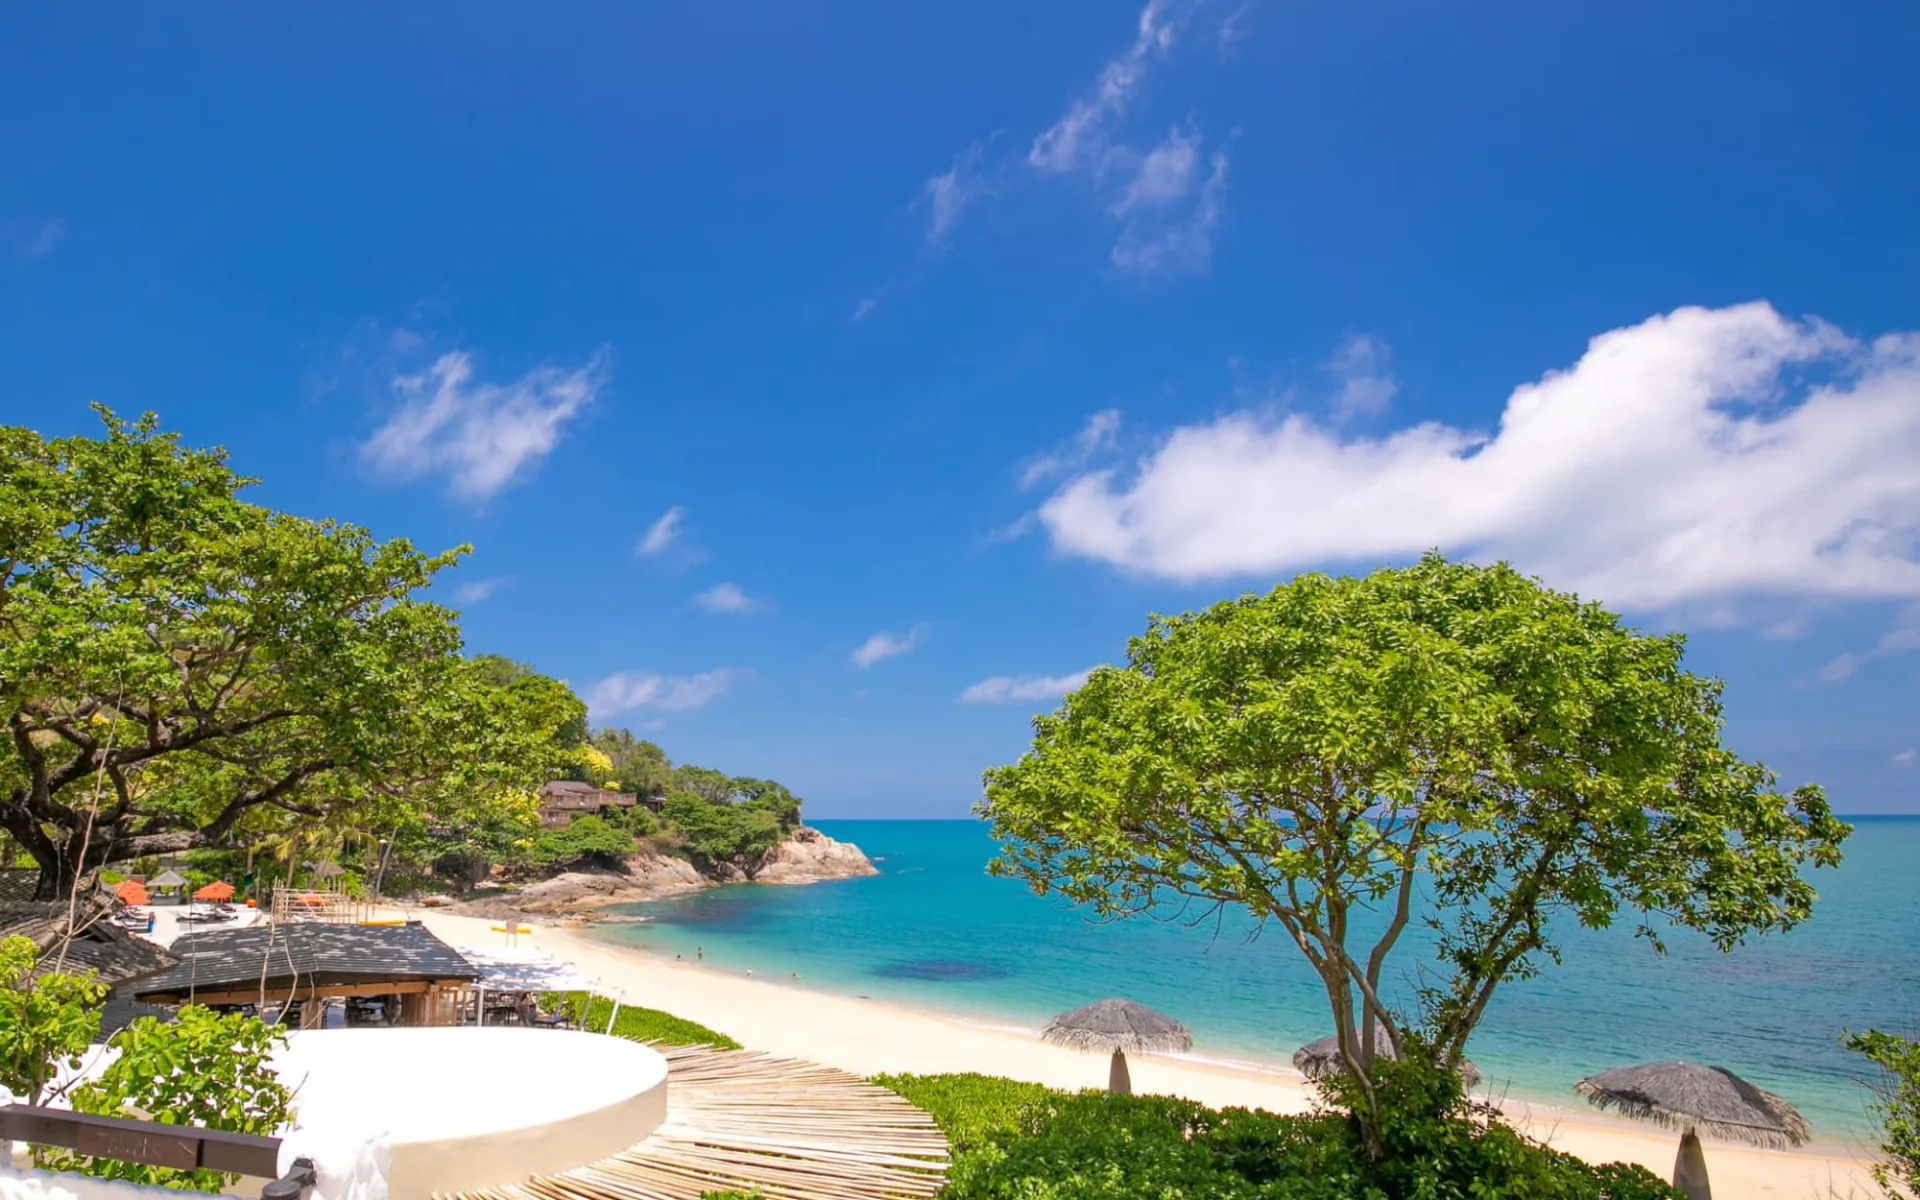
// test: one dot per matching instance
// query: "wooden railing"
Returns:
(183, 1147)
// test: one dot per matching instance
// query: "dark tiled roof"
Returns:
(309, 952)
(18, 883)
(118, 1014)
(91, 942)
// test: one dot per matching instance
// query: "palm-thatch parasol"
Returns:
(326, 870)
(1319, 1059)
(1696, 1099)
(1119, 1026)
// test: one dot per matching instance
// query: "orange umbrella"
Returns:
(215, 892)
(131, 891)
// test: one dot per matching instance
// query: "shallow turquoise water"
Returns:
(933, 930)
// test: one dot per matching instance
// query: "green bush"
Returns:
(1019, 1141)
(1897, 1104)
(587, 840)
(638, 1024)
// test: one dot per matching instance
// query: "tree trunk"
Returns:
(1118, 1081)
(1690, 1168)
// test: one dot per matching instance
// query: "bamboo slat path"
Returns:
(740, 1120)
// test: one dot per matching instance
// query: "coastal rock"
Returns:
(647, 877)
(809, 856)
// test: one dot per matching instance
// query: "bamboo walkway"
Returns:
(741, 1120)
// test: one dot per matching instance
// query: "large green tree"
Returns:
(1344, 757)
(177, 664)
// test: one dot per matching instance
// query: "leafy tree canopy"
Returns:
(1319, 750)
(178, 666)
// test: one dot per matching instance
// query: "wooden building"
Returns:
(309, 962)
(563, 800)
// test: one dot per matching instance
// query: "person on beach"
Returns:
(700, 952)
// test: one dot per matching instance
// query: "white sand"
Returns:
(870, 1037)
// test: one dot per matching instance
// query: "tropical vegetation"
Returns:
(1897, 1105)
(1445, 743)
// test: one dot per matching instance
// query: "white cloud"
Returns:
(478, 590)
(1700, 455)
(1183, 246)
(948, 195)
(45, 238)
(864, 309)
(1080, 138)
(630, 690)
(1096, 435)
(1164, 175)
(1362, 364)
(483, 437)
(1014, 689)
(726, 598)
(1906, 758)
(882, 646)
(661, 533)
(1903, 638)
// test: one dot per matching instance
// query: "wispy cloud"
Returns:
(726, 598)
(864, 309)
(478, 591)
(1183, 244)
(1363, 367)
(1906, 758)
(882, 646)
(1017, 689)
(1080, 138)
(483, 437)
(948, 195)
(1903, 638)
(662, 533)
(45, 238)
(630, 690)
(1697, 457)
(1097, 434)
(1164, 175)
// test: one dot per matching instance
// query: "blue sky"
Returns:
(822, 387)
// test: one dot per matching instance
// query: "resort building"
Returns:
(416, 978)
(563, 800)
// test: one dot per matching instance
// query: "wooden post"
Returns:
(1119, 1082)
(1690, 1168)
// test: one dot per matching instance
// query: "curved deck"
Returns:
(740, 1120)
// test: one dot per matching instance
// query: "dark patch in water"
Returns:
(941, 970)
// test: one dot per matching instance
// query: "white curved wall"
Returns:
(469, 1108)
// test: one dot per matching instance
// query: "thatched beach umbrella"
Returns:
(1318, 1059)
(1696, 1099)
(1119, 1026)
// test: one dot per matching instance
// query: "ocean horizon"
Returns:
(934, 931)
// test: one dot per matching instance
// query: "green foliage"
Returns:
(1018, 1141)
(721, 832)
(206, 670)
(586, 841)
(1315, 751)
(637, 1024)
(1898, 1107)
(45, 1023)
(202, 1069)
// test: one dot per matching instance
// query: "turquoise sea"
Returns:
(934, 931)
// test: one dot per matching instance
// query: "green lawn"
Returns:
(639, 1024)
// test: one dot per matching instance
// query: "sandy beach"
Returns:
(869, 1037)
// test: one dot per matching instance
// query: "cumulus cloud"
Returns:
(1362, 365)
(483, 437)
(948, 195)
(661, 533)
(1080, 138)
(726, 598)
(1183, 244)
(1698, 456)
(630, 690)
(882, 646)
(1015, 689)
